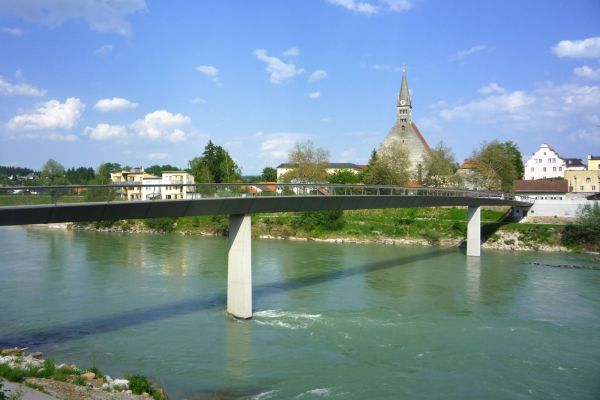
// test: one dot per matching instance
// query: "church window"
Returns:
(403, 127)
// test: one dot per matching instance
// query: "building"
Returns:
(593, 163)
(585, 181)
(406, 133)
(574, 164)
(145, 186)
(544, 163)
(469, 177)
(542, 189)
(332, 168)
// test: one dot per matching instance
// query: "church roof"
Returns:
(404, 93)
(421, 138)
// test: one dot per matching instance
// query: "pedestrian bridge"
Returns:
(53, 204)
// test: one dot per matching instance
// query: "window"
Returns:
(544, 169)
(554, 169)
(532, 169)
(593, 188)
(544, 153)
(581, 188)
(560, 168)
(588, 180)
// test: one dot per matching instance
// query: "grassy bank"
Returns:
(443, 225)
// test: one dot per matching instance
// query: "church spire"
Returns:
(404, 97)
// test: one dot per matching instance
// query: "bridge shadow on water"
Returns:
(98, 325)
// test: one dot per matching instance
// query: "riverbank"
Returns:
(28, 374)
(442, 227)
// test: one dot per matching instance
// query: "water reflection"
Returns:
(239, 348)
(473, 280)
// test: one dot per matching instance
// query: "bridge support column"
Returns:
(239, 270)
(474, 231)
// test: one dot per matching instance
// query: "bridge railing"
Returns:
(130, 191)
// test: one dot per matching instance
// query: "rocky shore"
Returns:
(27, 372)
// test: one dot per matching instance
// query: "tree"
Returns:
(53, 173)
(390, 166)
(80, 176)
(269, 174)
(496, 163)
(344, 177)
(102, 178)
(308, 164)
(215, 165)
(159, 169)
(439, 166)
(513, 148)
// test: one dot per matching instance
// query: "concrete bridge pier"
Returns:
(239, 270)
(474, 231)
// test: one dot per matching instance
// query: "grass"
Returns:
(35, 199)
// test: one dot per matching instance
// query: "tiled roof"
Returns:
(574, 162)
(541, 185)
(421, 138)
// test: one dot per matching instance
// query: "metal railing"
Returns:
(130, 191)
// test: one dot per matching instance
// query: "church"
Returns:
(406, 133)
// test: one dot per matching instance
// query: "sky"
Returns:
(143, 82)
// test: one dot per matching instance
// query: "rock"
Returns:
(36, 354)
(121, 382)
(146, 394)
(129, 392)
(15, 351)
(88, 376)
(97, 383)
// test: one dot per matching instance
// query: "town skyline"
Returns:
(144, 83)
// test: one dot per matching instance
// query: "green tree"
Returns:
(80, 176)
(496, 165)
(308, 164)
(269, 174)
(586, 230)
(157, 170)
(513, 149)
(344, 177)
(53, 173)
(439, 166)
(390, 166)
(215, 165)
(102, 178)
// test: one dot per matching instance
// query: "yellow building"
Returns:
(593, 163)
(583, 181)
(136, 177)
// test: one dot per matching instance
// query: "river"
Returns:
(341, 321)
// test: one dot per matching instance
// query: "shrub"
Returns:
(319, 221)
(585, 233)
(160, 224)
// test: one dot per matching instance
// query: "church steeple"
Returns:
(404, 103)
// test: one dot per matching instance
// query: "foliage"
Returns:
(497, 165)
(390, 166)
(80, 176)
(17, 171)
(157, 170)
(319, 221)
(53, 173)
(344, 177)
(513, 149)
(439, 166)
(309, 163)
(160, 224)
(215, 165)
(585, 232)
(139, 384)
(269, 174)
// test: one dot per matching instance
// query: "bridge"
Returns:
(54, 204)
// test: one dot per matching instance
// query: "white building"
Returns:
(544, 163)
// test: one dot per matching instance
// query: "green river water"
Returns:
(341, 321)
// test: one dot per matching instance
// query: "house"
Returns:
(574, 164)
(332, 168)
(471, 179)
(177, 178)
(134, 178)
(541, 189)
(139, 185)
(544, 163)
(585, 181)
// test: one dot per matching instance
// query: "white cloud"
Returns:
(493, 87)
(105, 132)
(293, 52)
(19, 89)
(384, 67)
(587, 72)
(370, 8)
(317, 75)
(279, 71)
(586, 48)
(162, 125)
(585, 136)
(276, 146)
(510, 105)
(13, 31)
(210, 72)
(60, 137)
(463, 54)
(19, 74)
(104, 50)
(314, 95)
(198, 100)
(49, 116)
(101, 16)
(114, 104)
(157, 156)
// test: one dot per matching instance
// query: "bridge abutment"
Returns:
(239, 267)
(474, 231)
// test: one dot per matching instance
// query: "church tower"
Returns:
(406, 133)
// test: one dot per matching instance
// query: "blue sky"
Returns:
(144, 82)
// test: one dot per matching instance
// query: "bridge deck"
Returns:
(80, 212)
